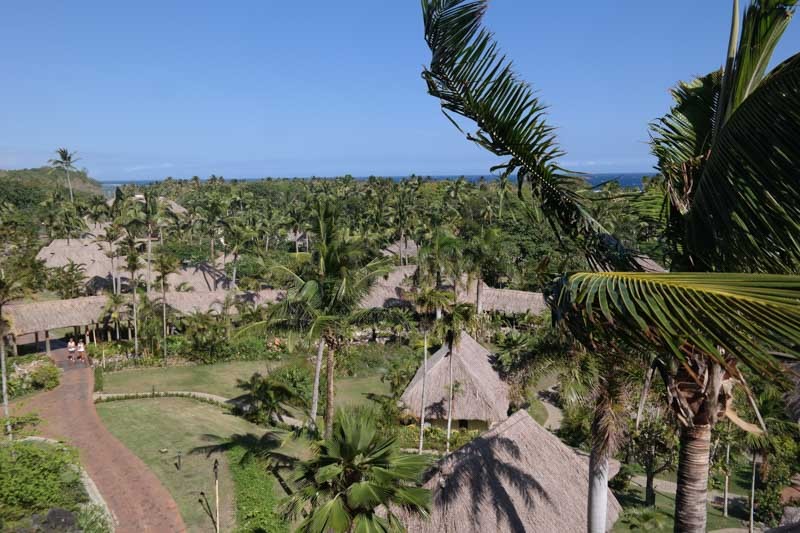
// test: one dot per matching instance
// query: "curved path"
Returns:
(138, 500)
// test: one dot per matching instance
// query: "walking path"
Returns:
(137, 499)
(554, 415)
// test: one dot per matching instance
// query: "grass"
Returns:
(739, 483)
(220, 379)
(633, 498)
(148, 426)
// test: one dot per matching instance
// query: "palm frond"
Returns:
(471, 78)
(746, 315)
(746, 212)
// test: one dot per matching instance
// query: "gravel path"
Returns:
(137, 499)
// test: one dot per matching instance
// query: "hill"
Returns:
(31, 185)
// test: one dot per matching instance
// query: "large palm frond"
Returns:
(746, 212)
(472, 79)
(749, 316)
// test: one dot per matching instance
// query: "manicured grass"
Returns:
(537, 411)
(147, 426)
(219, 379)
(665, 507)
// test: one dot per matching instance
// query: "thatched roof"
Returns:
(481, 394)
(97, 265)
(40, 316)
(391, 291)
(517, 477)
(409, 248)
(388, 290)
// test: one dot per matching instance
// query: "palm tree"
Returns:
(66, 161)
(428, 301)
(266, 399)
(457, 318)
(110, 236)
(132, 264)
(166, 264)
(353, 474)
(11, 288)
(112, 311)
(437, 258)
(479, 252)
(727, 151)
(325, 302)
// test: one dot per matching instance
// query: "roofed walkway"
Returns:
(137, 499)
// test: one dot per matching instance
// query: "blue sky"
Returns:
(147, 89)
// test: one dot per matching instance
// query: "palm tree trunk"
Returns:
(149, 258)
(307, 244)
(401, 246)
(450, 402)
(727, 479)
(315, 392)
(753, 492)
(424, 380)
(135, 323)
(213, 254)
(69, 184)
(116, 326)
(690, 499)
(478, 300)
(598, 491)
(164, 314)
(3, 371)
(235, 264)
(329, 402)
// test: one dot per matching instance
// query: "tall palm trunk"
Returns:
(401, 246)
(235, 264)
(478, 299)
(450, 401)
(149, 259)
(69, 185)
(3, 371)
(315, 392)
(598, 490)
(329, 402)
(424, 383)
(164, 313)
(727, 478)
(690, 499)
(753, 493)
(135, 322)
(116, 327)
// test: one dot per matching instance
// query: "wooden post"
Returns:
(13, 339)
(36, 340)
(94, 333)
(47, 341)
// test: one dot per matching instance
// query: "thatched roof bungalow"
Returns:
(518, 477)
(389, 290)
(481, 398)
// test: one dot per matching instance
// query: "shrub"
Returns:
(36, 477)
(620, 482)
(256, 501)
(98, 379)
(299, 379)
(45, 376)
(93, 519)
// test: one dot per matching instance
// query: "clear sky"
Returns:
(147, 89)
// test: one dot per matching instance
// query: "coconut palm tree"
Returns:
(11, 288)
(266, 399)
(727, 150)
(65, 161)
(355, 473)
(109, 237)
(428, 300)
(325, 302)
(112, 312)
(132, 264)
(166, 264)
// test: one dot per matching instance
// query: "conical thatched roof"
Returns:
(518, 477)
(481, 394)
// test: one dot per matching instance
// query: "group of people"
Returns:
(76, 352)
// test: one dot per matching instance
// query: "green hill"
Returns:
(31, 185)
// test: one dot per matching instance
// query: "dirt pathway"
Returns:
(138, 500)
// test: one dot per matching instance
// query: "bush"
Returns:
(256, 501)
(36, 477)
(299, 379)
(98, 379)
(45, 377)
(93, 519)
(620, 482)
(435, 437)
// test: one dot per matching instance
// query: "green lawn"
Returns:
(220, 379)
(147, 426)
(665, 508)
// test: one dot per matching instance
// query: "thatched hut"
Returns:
(481, 397)
(389, 290)
(517, 477)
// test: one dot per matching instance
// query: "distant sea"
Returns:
(625, 179)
